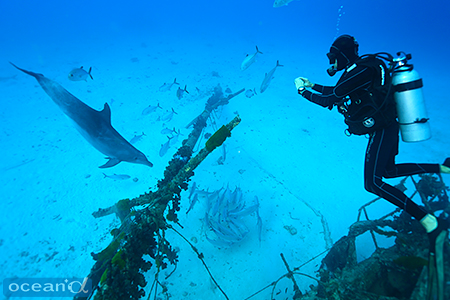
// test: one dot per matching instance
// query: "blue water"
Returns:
(289, 153)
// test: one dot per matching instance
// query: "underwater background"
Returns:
(289, 153)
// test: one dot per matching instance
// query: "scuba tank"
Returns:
(408, 95)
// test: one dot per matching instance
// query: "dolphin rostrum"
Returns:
(95, 126)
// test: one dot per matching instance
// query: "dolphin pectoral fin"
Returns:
(110, 163)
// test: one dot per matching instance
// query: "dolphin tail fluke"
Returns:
(27, 72)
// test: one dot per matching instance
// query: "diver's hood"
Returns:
(345, 50)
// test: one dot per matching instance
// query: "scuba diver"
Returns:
(363, 94)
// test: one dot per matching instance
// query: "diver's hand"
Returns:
(302, 82)
(299, 83)
(306, 82)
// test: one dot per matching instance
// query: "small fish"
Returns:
(165, 147)
(279, 3)
(168, 116)
(250, 93)
(259, 221)
(136, 138)
(192, 202)
(192, 189)
(167, 86)
(249, 59)
(180, 92)
(79, 74)
(149, 109)
(268, 78)
(167, 131)
(117, 176)
(222, 159)
(7, 78)
(175, 136)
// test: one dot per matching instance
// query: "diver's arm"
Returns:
(358, 78)
(322, 100)
(324, 90)
(303, 82)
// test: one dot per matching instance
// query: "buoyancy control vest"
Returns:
(368, 110)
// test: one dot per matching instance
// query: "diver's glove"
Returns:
(302, 82)
(299, 83)
(445, 167)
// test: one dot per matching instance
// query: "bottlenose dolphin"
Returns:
(95, 126)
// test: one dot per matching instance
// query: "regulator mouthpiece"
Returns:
(331, 71)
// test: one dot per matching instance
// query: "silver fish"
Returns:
(193, 189)
(164, 147)
(226, 217)
(149, 109)
(117, 176)
(136, 138)
(222, 159)
(192, 202)
(167, 86)
(180, 92)
(279, 3)
(268, 78)
(168, 116)
(259, 220)
(249, 59)
(7, 78)
(175, 136)
(79, 74)
(167, 131)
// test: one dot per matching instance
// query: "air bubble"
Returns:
(340, 14)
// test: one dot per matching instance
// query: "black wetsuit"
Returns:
(383, 143)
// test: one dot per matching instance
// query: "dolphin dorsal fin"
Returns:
(106, 112)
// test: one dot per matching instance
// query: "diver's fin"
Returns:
(436, 280)
(431, 275)
(440, 264)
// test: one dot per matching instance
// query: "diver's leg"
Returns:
(436, 273)
(445, 167)
(380, 155)
(398, 170)
(408, 169)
